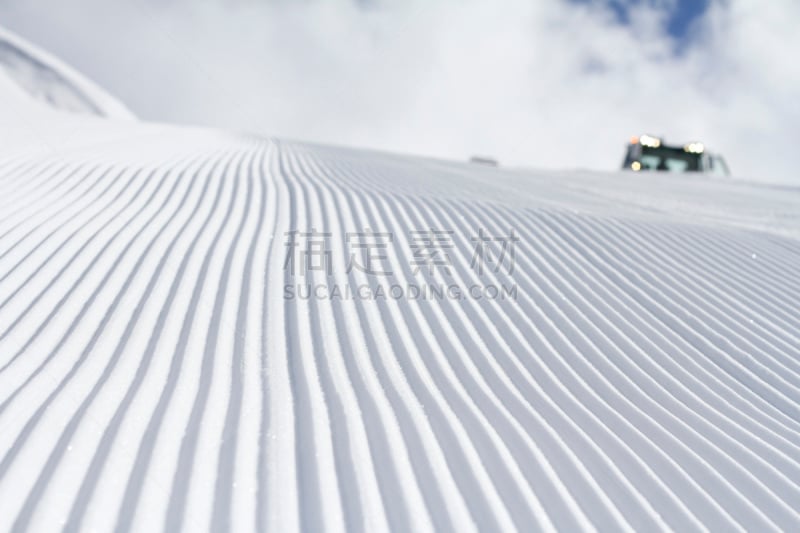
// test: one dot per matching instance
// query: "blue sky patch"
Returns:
(680, 18)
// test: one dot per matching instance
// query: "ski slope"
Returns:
(29, 75)
(160, 369)
(153, 375)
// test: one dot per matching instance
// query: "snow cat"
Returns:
(647, 152)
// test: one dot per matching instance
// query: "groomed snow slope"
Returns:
(154, 376)
(40, 78)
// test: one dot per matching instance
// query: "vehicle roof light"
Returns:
(694, 148)
(650, 141)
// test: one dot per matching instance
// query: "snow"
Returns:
(45, 79)
(154, 376)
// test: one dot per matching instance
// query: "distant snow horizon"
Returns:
(557, 84)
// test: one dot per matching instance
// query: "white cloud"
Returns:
(551, 84)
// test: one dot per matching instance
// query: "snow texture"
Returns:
(154, 376)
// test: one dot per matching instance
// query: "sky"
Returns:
(680, 14)
(553, 84)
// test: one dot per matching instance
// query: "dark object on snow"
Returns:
(478, 160)
(650, 153)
